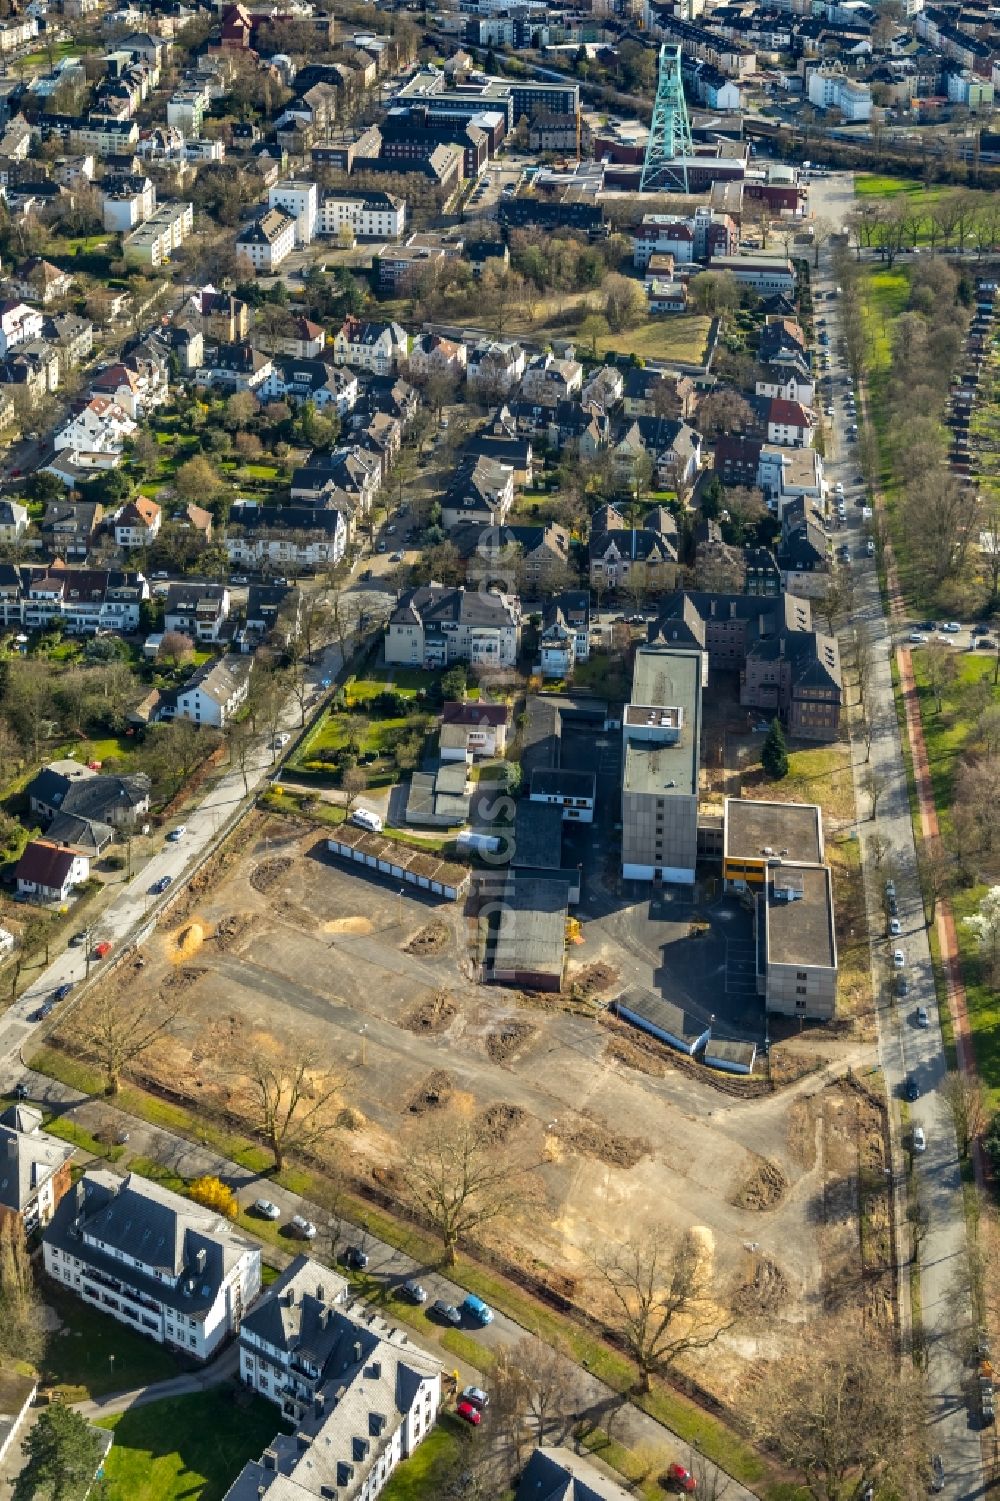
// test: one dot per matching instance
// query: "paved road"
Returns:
(906, 1048)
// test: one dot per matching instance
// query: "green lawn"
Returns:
(876, 185)
(406, 681)
(78, 1359)
(187, 1448)
(946, 734)
(983, 1000)
(422, 1477)
(95, 750)
(679, 337)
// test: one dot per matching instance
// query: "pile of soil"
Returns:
(433, 1094)
(232, 928)
(594, 1138)
(433, 938)
(269, 872)
(499, 1122)
(621, 1050)
(508, 1039)
(592, 980)
(764, 1187)
(764, 1292)
(434, 1013)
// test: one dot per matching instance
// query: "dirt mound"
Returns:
(499, 1122)
(763, 1188)
(764, 1292)
(433, 938)
(509, 1039)
(594, 1138)
(231, 929)
(433, 1094)
(186, 941)
(269, 872)
(180, 979)
(592, 980)
(348, 925)
(431, 1015)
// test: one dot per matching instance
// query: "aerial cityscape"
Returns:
(499, 750)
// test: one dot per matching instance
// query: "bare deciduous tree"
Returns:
(964, 1094)
(117, 1029)
(287, 1093)
(459, 1182)
(662, 1302)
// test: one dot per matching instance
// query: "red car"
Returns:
(469, 1413)
(102, 950)
(680, 1479)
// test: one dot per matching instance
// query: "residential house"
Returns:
(215, 692)
(531, 560)
(83, 600)
(69, 529)
(434, 626)
(310, 380)
(791, 380)
(471, 728)
(671, 445)
(481, 492)
(40, 281)
(360, 1397)
(159, 1263)
(285, 537)
(197, 610)
(433, 354)
(304, 341)
(79, 806)
(34, 1168)
(95, 433)
(137, 385)
(367, 216)
(18, 324)
(548, 380)
(13, 522)
(127, 201)
(225, 318)
(603, 390)
(49, 872)
(786, 422)
(137, 524)
(653, 393)
(236, 367)
(644, 559)
(804, 556)
(565, 635)
(71, 335)
(555, 1473)
(378, 347)
(494, 367)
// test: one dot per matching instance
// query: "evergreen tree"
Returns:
(774, 756)
(62, 1453)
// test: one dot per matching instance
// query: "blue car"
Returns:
(160, 885)
(477, 1310)
(62, 991)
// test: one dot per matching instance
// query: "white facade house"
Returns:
(360, 1397)
(300, 537)
(197, 610)
(187, 107)
(48, 872)
(127, 202)
(100, 427)
(300, 201)
(215, 693)
(370, 216)
(268, 241)
(163, 232)
(137, 524)
(830, 88)
(376, 347)
(435, 626)
(18, 324)
(161, 1264)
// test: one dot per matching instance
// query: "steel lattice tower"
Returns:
(669, 131)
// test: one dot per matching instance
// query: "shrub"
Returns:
(214, 1194)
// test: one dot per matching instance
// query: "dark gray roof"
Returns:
(560, 781)
(435, 604)
(558, 1474)
(28, 1158)
(537, 836)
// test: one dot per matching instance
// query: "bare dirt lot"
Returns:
(284, 940)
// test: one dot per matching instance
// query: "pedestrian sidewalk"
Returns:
(226, 1368)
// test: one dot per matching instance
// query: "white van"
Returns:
(365, 819)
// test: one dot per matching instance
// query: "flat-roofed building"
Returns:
(775, 852)
(661, 765)
(164, 231)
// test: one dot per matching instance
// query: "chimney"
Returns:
(270, 1459)
(357, 1351)
(199, 1260)
(320, 1293)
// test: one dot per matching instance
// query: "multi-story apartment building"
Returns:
(299, 199)
(300, 537)
(104, 136)
(197, 610)
(774, 852)
(369, 215)
(86, 600)
(187, 107)
(128, 200)
(377, 347)
(435, 626)
(269, 240)
(360, 1397)
(19, 324)
(167, 1268)
(830, 88)
(661, 764)
(163, 232)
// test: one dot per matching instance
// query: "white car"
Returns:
(895, 927)
(923, 1020)
(952, 627)
(303, 1228)
(177, 833)
(280, 741)
(266, 1209)
(916, 639)
(919, 1139)
(898, 959)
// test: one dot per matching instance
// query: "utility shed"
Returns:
(672, 1024)
(530, 946)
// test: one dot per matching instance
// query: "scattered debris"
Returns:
(594, 1138)
(763, 1188)
(509, 1039)
(434, 1013)
(764, 1292)
(230, 929)
(433, 938)
(433, 1094)
(269, 872)
(644, 1059)
(592, 980)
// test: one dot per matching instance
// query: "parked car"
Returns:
(176, 834)
(42, 1012)
(280, 741)
(158, 887)
(890, 888)
(469, 1413)
(912, 1090)
(355, 1258)
(447, 1313)
(62, 991)
(102, 950)
(902, 985)
(477, 1310)
(952, 627)
(937, 1473)
(476, 1396)
(919, 1139)
(917, 638)
(266, 1209)
(923, 1020)
(895, 927)
(898, 959)
(299, 1226)
(680, 1479)
(413, 1292)
(78, 938)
